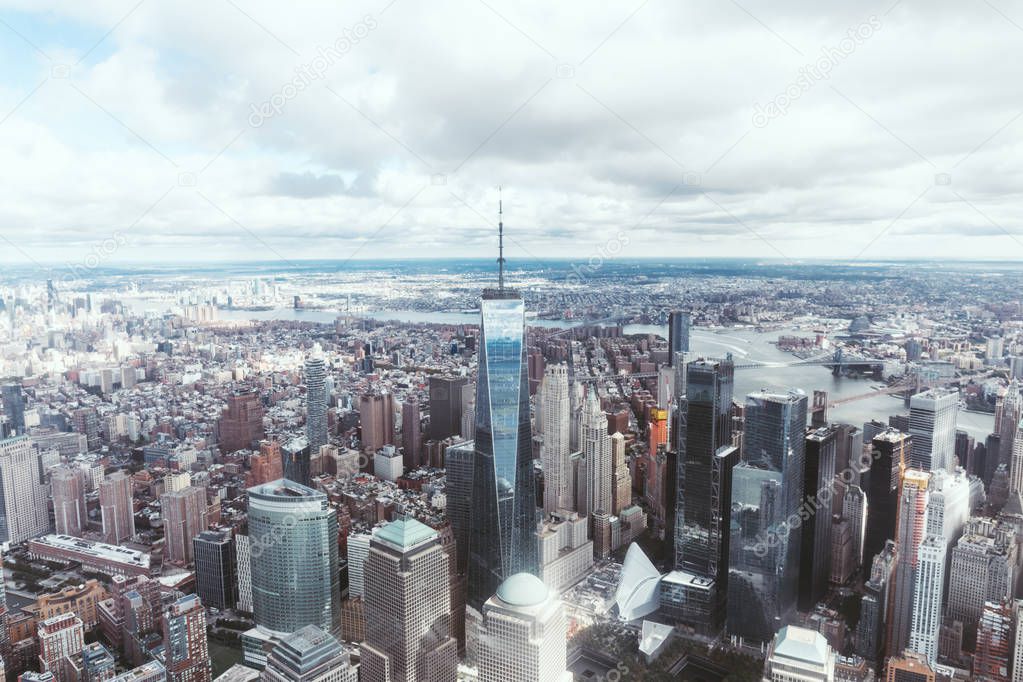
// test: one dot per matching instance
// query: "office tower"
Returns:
(927, 591)
(67, 487)
(948, 510)
(98, 664)
(815, 544)
(268, 465)
(60, 638)
(243, 569)
(910, 533)
(5, 635)
(358, 550)
(23, 497)
(932, 424)
(704, 486)
(799, 654)
(994, 643)
(854, 508)
(678, 335)
(186, 651)
(767, 491)
(216, 578)
(293, 534)
(870, 630)
(388, 464)
(621, 478)
(411, 433)
(502, 539)
(523, 634)
(376, 416)
(446, 406)
(458, 467)
(309, 655)
(595, 445)
(316, 401)
(554, 408)
(983, 568)
(566, 553)
(241, 425)
(13, 401)
(116, 508)
(1016, 464)
(889, 452)
(408, 607)
(468, 430)
(185, 515)
(86, 422)
(910, 667)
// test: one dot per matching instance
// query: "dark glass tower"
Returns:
(678, 335)
(767, 493)
(818, 486)
(502, 537)
(890, 452)
(704, 470)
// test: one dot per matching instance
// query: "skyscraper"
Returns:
(556, 417)
(23, 497)
(890, 452)
(411, 433)
(596, 458)
(932, 424)
(216, 578)
(116, 510)
(678, 335)
(446, 406)
(67, 487)
(815, 543)
(502, 540)
(185, 515)
(871, 628)
(523, 634)
(910, 533)
(983, 568)
(621, 486)
(927, 593)
(294, 556)
(994, 643)
(60, 638)
(799, 654)
(704, 486)
(241, 425)
(14, 407)
(309, 655)
(767, 491)
(187, 655)
(316, 400)
(376, 417)
(408, 607)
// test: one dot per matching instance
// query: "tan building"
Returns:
(80, 601)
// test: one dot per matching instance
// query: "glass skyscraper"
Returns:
(767, 493)
(502, 539)
(294, 555)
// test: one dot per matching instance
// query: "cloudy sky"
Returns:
(253, 129)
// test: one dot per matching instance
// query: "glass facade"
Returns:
(294, 556)
(767, 496)
(502, 539)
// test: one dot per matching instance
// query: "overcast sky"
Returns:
(253, 129)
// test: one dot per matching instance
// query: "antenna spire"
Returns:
(500, 241)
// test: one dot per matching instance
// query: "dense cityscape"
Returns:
(454, 470)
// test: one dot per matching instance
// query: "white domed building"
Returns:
(523, 634)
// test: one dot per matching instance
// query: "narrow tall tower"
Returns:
(502, 537)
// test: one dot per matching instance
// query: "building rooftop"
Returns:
(801, 644)
(523, 589)
(404, 533)
(99, 550)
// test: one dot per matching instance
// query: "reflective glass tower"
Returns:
(502, 538)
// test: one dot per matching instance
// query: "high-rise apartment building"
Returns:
(376, 416)
(241, 425)
(408, 607)
(116, 508)
(185, 515)
(67, 487)
(932, 424)
(60, 639)
(293, 534)
(595, 445)
(621, 477)
(309, 655)
(216, 565)
(554, 408)
(186, 650)
(927, 602)
(523, 634)
(502, 538)
(704, 487)
(767, 490)
(316, 401)
(23, 495)
(910, 533)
